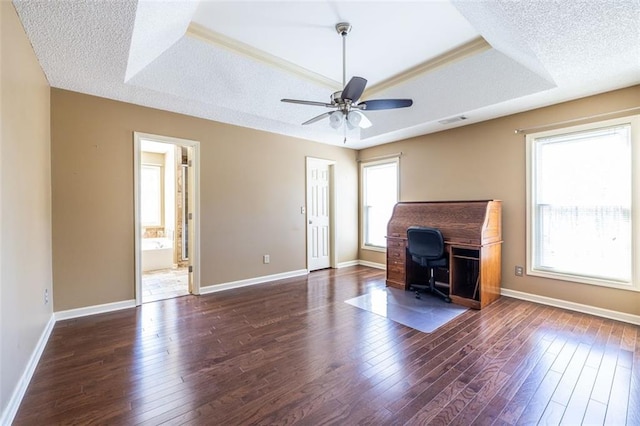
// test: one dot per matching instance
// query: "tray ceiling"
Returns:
(233, 61)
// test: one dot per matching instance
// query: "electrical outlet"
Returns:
(519, 271)
(46, 296)
(266, 259)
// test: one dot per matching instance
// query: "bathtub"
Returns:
(157, 253)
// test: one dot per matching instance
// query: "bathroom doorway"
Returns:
(166, 205)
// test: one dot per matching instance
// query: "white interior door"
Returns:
(318, 214)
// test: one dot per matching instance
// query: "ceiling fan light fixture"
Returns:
(336, 119)
(353, 119)
(363, 121)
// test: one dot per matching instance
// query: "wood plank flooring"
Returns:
(292, 352)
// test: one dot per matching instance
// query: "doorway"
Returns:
(321, 235)
(166, 194)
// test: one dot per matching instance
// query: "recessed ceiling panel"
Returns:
(387, 37)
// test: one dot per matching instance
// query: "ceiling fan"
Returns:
(345, 103)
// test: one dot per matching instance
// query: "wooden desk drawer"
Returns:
(395, 243)
(395, 274)
(396, 263)
(394, 253)
(396, 266)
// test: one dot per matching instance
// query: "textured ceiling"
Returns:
(233, 61)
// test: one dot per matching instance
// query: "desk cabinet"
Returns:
(396, 262)
(474, 275)
(473, 240)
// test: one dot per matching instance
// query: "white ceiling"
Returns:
(232, 61)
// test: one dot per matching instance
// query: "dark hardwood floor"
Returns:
(293, 352)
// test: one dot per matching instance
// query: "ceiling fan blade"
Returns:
(317, 118)
(354, 88)
(313, 103)
(377, 104)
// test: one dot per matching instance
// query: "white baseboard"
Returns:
(372, 264)
(347, 264)
(11, 410)
(92, 310)
(578, 307)
(362, 263)
(251, 281)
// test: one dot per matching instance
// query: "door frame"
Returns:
(194, 253)
(333, 255)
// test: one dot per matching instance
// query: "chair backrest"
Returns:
(425, 242)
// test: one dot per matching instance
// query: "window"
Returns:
(580, 190)
(379, 194)
(151, 195)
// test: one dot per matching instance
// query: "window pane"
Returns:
(380, 185)
(151, 195)
(582, 198)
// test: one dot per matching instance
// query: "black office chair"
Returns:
(426, 248)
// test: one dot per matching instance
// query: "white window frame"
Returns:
(363, 185)
(634, 283)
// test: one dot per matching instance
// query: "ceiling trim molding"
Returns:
(202, 33)
(464, 51)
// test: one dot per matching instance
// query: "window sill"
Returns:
(374, 248)
(583, 280)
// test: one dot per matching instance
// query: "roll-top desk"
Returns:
(472, 232)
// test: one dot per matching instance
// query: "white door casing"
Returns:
(191, 207)
(194, 207)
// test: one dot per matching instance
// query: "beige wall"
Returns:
(252, 188)
(487, 161)
(25, 198)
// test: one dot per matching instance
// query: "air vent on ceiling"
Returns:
(452, 119)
